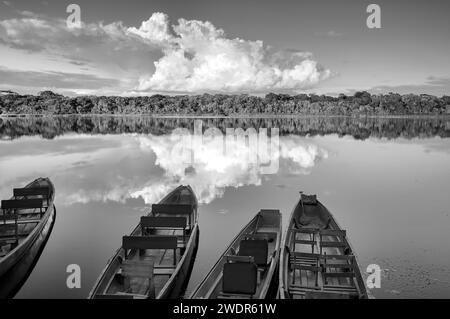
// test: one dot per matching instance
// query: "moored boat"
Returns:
(25, 224)
(248, 266)
(317, 260)
(156, 260)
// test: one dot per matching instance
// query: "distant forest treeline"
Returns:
(358, 127)
(362, 103)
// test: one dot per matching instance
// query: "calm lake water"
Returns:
(386, 181)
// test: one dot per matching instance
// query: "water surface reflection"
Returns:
(390, 194)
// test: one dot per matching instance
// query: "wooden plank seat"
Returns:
(338, 266)
(337, 239)
(338, 261)
(10, 209)
(256, 248)
(182, 209)
(305, 230)
(304, 287)
(349, 258)
(138, 276)
(348, 293)
(327, 276)
(175, 223)
(174, 209)
(15, 207)
(306, 267)
(312, 232)
(314, 269)
(344, 274)
(261, 236)
(163, 271)
(33, 191)
(259, 250)
(322, 294)
(307, 262)
(311, 258)
(304, 258)
(22, 204)
(333, 244)
(301, 290)
(328, 266)
(326, 295)
(239, 277)
(158, 270)
(341, 288)
(142, 243)
(341, 233)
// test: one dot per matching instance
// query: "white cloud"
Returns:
(190, 56)
(155, 29)
(199, 57)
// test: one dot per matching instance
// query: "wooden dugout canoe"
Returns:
(248, 266)
(156, 260)
(317, 260)
(26, 223)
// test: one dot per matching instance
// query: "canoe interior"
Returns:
(317, 260)
(266, 225)
(27, 219)
(166, 265)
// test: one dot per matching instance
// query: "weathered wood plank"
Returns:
(32, 191)
(163, 222)
(22, 204)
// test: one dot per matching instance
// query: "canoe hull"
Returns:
(18, 264)
(13, 280)
(211, 283)
(322, 214)
(176, 285)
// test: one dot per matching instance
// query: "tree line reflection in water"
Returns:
(359, 128)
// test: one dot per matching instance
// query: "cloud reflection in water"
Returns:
(122, 167)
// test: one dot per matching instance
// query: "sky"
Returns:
(247, 46)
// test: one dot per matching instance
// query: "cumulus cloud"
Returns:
(155, 29)
(199, 57)
(189, 56)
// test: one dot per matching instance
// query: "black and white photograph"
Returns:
(238, 151)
